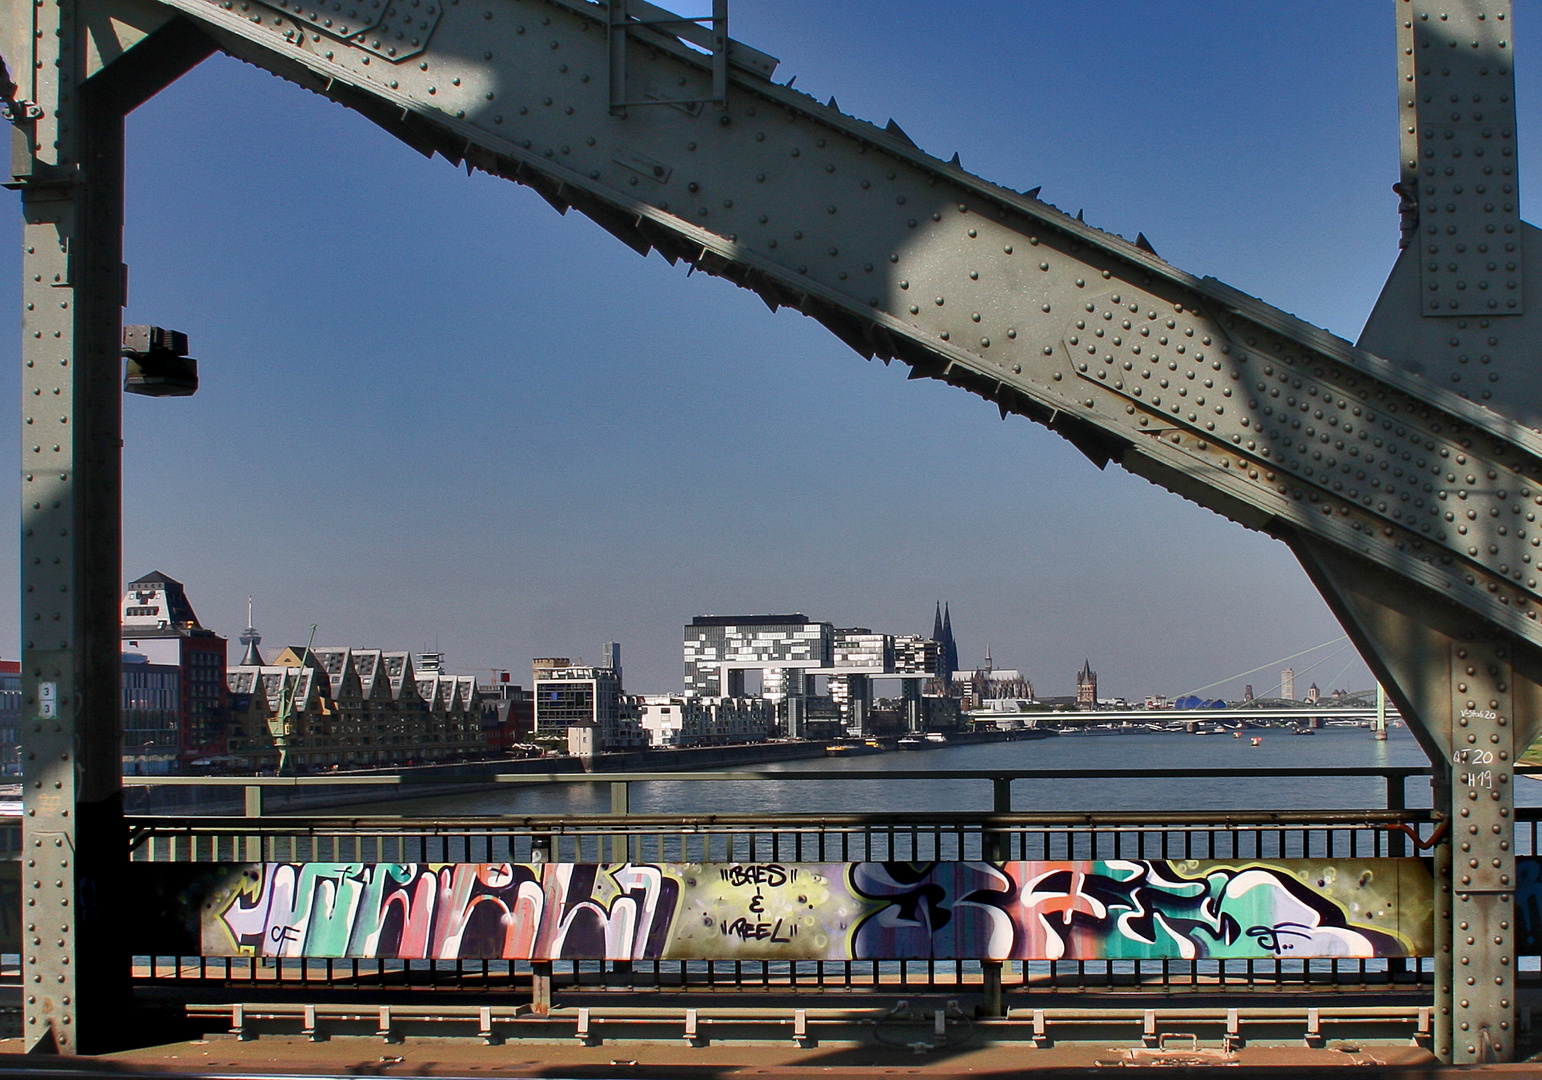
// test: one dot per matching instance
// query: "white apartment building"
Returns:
(680, 720)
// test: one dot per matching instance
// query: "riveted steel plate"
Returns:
(392, 29)
(1482, 768)
(1458, 99)
(51, 960)
(643, 165)
(1388, 473)
(1483, 977)
(1489, 359)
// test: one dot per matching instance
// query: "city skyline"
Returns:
(569, 444)
(1330, 654)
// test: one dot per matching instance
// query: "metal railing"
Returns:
(995, 832)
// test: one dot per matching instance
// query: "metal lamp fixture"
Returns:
(158, 364)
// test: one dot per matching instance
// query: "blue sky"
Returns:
(436, 413)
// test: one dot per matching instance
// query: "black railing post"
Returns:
(540, 970)
(620, 806)
(1397, 799)
(996, 847)
(253, 807)
(1397, 847)
(620, 850)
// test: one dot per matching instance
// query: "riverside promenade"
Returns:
(227, 794)
(194, 794)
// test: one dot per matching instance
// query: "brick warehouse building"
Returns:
(351, 708)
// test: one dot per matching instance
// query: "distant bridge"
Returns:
(1179, 716)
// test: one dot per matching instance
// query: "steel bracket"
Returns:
(627, 17)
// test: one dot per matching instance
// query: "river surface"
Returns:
(829, 792)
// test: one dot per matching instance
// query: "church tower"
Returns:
(947, 651)
(1086, 687)
(949, 646)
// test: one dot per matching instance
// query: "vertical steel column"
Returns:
(1441, 858)
(1473, 703)
(70, 171)
(1482, 855)
(1397, 845)
(67, 161)
(1457, 144)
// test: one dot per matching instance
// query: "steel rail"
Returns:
(1171, 821)
(400, 780)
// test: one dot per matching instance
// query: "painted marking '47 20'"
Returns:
(1472, 756)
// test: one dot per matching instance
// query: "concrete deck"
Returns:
(281, 1056)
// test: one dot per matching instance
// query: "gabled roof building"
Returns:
(351, 708)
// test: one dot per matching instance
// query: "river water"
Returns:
(830, 793)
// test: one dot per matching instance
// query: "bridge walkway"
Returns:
(295, 1056)
(1110, 986)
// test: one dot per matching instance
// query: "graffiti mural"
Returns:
(1110, 909)
(1148, 909)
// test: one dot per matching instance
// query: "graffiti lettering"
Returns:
(745, 930)
(1091, 910)
(1274, 938)
(772, 874)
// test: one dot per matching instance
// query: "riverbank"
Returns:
(227, 795)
